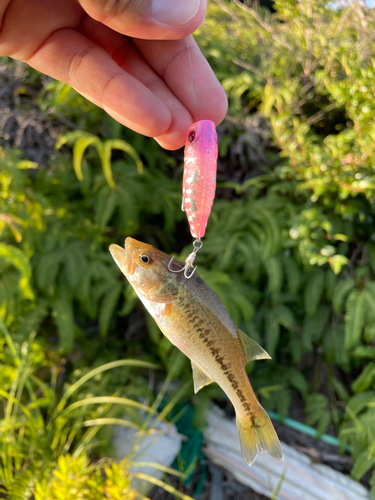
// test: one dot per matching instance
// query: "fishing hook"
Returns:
(197, 245)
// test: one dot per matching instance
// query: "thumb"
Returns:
(148, 19)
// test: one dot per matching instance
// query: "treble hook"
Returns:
(197, 245)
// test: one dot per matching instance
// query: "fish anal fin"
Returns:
(258, 434)
(252, 349)
(199, 377)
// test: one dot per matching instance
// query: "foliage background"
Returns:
(290, 245)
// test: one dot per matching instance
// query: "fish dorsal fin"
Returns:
(252, 349)
(199, 377)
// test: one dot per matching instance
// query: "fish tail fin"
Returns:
(258, 434)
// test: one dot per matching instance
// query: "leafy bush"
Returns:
(45, 436)
(290, 244)
(61, 226)
(308, 70)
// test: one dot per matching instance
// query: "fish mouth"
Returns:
(129, 257)
(123, 256)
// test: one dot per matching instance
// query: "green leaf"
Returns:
(129, 213)
(268, 99)
(250, 250)
(293, 275)
(334, 348)
(130, 301)
(105, 207)
(330, 284)
(47, 269)
(228, 252)
(105, 157)
(337, 262)
(371, 255)
(313, 326)
(317, 412)
(354, 318)
(364, 352)
(33, 320)
(365, 380)
(27, 164)
(272, 331)
(79, 148)
(298, 381)
(18, 259)
(369, 333)
(340, 389)
(270, 235)
(63, 316)
(369, 295)
(284, 316)
(127, 148)
(342, 288)
(313, 291)
(108, 306)
(75, 264)
(275, 275)
(359, 402)
(22, 486)
(362, 464)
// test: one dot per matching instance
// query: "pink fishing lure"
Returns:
(199, 182)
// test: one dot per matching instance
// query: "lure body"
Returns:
(195, 320)
(199, 181)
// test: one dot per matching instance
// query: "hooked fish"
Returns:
(195, 320)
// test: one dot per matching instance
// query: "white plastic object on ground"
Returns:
(297, 477)
(161, 446)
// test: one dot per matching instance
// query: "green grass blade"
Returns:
(103, 368)
(110, 421)
(162, 468)
(162, 484)
(108, 399)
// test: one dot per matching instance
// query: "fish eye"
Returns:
(146, 258)
(192, 136)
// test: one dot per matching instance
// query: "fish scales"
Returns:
(195, 320)
(204, 338)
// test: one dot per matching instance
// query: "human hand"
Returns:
(127, 56)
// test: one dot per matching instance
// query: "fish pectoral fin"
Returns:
(252, 349)
(199, 377)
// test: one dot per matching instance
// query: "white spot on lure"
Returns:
(192, 161)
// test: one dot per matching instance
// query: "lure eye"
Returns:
(192, 136)
(145, 258)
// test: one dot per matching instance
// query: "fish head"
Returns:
(146, 268)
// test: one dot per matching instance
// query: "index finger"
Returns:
(188, 75)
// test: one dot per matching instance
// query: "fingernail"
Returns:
(174, 11)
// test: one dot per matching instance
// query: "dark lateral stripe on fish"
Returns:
(198, 325)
